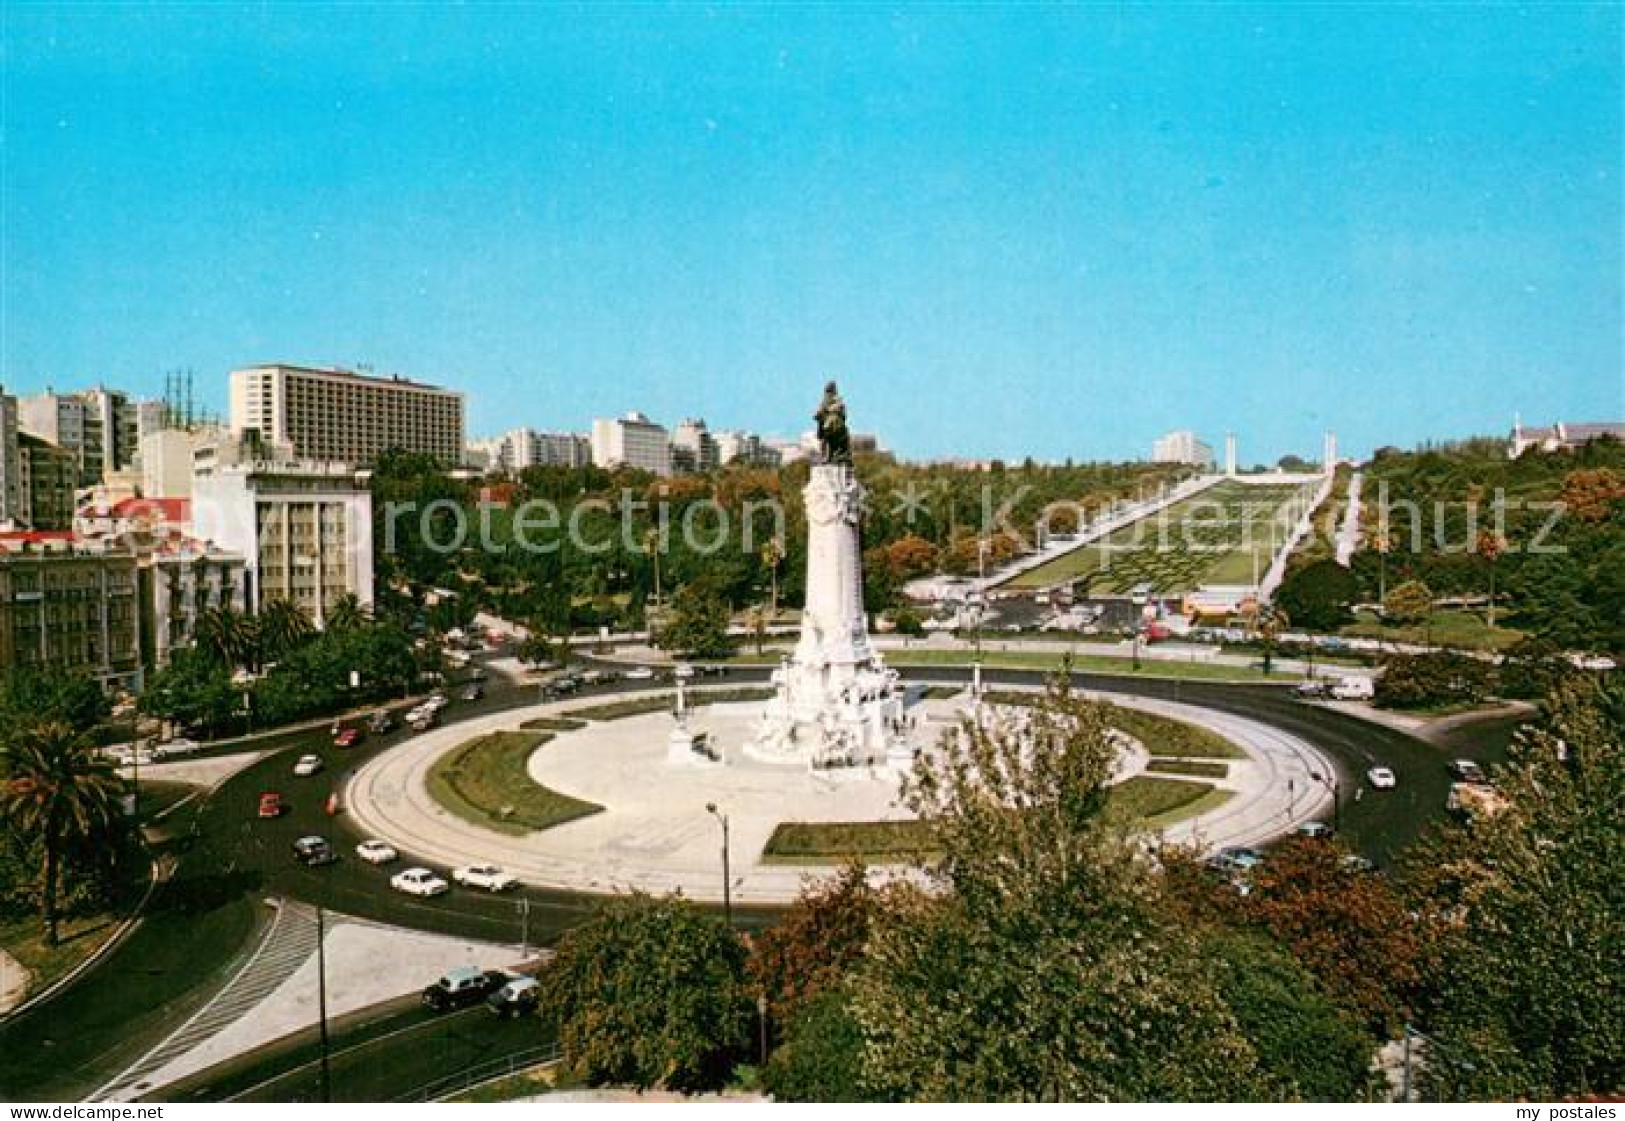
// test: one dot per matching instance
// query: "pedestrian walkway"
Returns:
(275, 993)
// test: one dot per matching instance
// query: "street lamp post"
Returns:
(1336, 787)
(321, 999)
(727, 888)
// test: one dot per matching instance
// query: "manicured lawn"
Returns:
(1161, 735)
(835, 842)
(1220, 536)
(1081, 663)
(1157, 802)
(485, 782)
(1465, 629)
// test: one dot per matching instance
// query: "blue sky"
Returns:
(1005, 230)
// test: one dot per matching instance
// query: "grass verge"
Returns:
(485, 782)
(1161, 735)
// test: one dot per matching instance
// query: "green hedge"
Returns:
(1198, 767)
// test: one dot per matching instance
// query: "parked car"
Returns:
(419, 881)
(380, 722)
(347, 737)
(313, 851)
(1465, 770)
(487, 876)
(463, 986)
(518, 997)
(376, 852)
(307, 765)
(1381, 778)
(1315, 830)
(270, 804)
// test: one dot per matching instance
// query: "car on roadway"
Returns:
(436, 701)
(307, 765)
(419, 881)
(377, 852)
(1311, 690)
(1381, 778)
(473, 693)
(462, 986)
(313, 851)
(1465, 770)
(1315, 831)
(518, 997)
(640, 673)
(1234, 860)
(380, 722)
(347, 737)
(174, 749)
(487, 876)
(270, 804)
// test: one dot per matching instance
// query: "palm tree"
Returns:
(347, 614)
(58, 792)
(283, 625)
(228, 636)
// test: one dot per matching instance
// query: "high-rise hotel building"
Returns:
(338, 415)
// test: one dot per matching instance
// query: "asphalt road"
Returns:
(200, 924)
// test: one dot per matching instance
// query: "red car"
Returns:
(270, 804)
(347, 737)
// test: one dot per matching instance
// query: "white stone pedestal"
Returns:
(835, 703)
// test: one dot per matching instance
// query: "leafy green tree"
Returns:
(1409, 603)
(193, 691)
(812, 945)
(348, 613)
(1046, 965)
(649, 992)
(697, 623)
(29, 695)
(1318, 595)
(1430, 680)
(58, 793)
(821, 1058)
(1528, 908)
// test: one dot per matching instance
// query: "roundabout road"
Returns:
(202, 921)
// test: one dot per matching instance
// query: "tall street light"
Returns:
(321, 998)
(1336, 787)
(727, 890)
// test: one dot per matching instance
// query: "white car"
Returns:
(1380, 778)
(307, 765)
(419, 881)
(640, 673)
(174, 749)
(376, 852)
(488, 876)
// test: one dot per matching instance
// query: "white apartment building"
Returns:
(745, 447)
(631, 441)
(335, 415)
(166, 460)
(182, 578)
(693, 448)
(102, 428)
(1181, 446)
(526, 447)
(304, 529)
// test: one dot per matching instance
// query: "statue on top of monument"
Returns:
(834, 442)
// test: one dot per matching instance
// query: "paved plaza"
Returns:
(656, 835)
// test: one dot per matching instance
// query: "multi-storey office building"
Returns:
(304, 529)
(11, 464)
(336, 415)
(632, 440)
(100, 428)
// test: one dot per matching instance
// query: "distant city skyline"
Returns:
(1047, 232)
